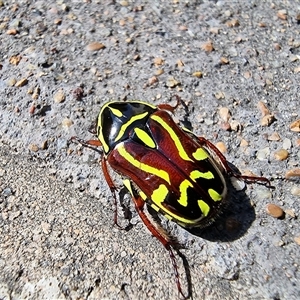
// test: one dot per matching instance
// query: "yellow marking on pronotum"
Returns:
(145, 137)
(174, 137)
(214, 195)
(160, 194)
(148, 169)
(197, 174)
(183, 200)
(128, 123)
(200, 154)
(204, 207)
(116, 112)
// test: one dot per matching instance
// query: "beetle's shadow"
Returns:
(234, 221)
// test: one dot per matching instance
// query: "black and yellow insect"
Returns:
(178, 174)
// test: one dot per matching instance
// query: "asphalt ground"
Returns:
(236, 66)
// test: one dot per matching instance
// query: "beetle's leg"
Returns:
(92, 144)
(248, 179)
(139, 205)
(112, 188)
(169, 107)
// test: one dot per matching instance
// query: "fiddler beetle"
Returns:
(164, 165)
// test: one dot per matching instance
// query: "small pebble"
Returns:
(172, 82)
(263, 108)
(233, 23)
(297, 240)
(295, 190)
(263, 154)
(221, 147)
(21, 82)
(15, 59)
(95, 46)
(159, 72)
(274, 210)
(282, 14)
(59, 96)
(295, 126)
(267, 120)
(158, 61)
(207, 47)
(274, 137)
(281, 154)
(290, 212)
(12, 31)
(235, 125)
(224, 60)
(67, 122)
(292, 173)
(44, 145)
(180, 63)
(11, 81)
(224, 114)
(152, 80)
(219, 95)
(197, 74)
(286, 144)
(244, 143)
(33, 147)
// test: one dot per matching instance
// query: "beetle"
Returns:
(180, 175)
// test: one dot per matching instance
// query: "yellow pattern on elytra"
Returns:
(148, 169)
(127, 184)
(197, 174)
(160, 194)
(158, 197)
(156, 208)
(183, 199)
(174, 137)
(214, 195)
(143, 195)
(145, 137)
(116, 112)
(204, 207)
(200, 154)
(128, 123)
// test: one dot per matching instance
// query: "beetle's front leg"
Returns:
(92, 144)
(112, 188)
(248, 179)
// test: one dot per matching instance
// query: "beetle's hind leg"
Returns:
(214, 151)
(161, 236)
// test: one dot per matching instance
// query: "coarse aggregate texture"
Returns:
(61, 60)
